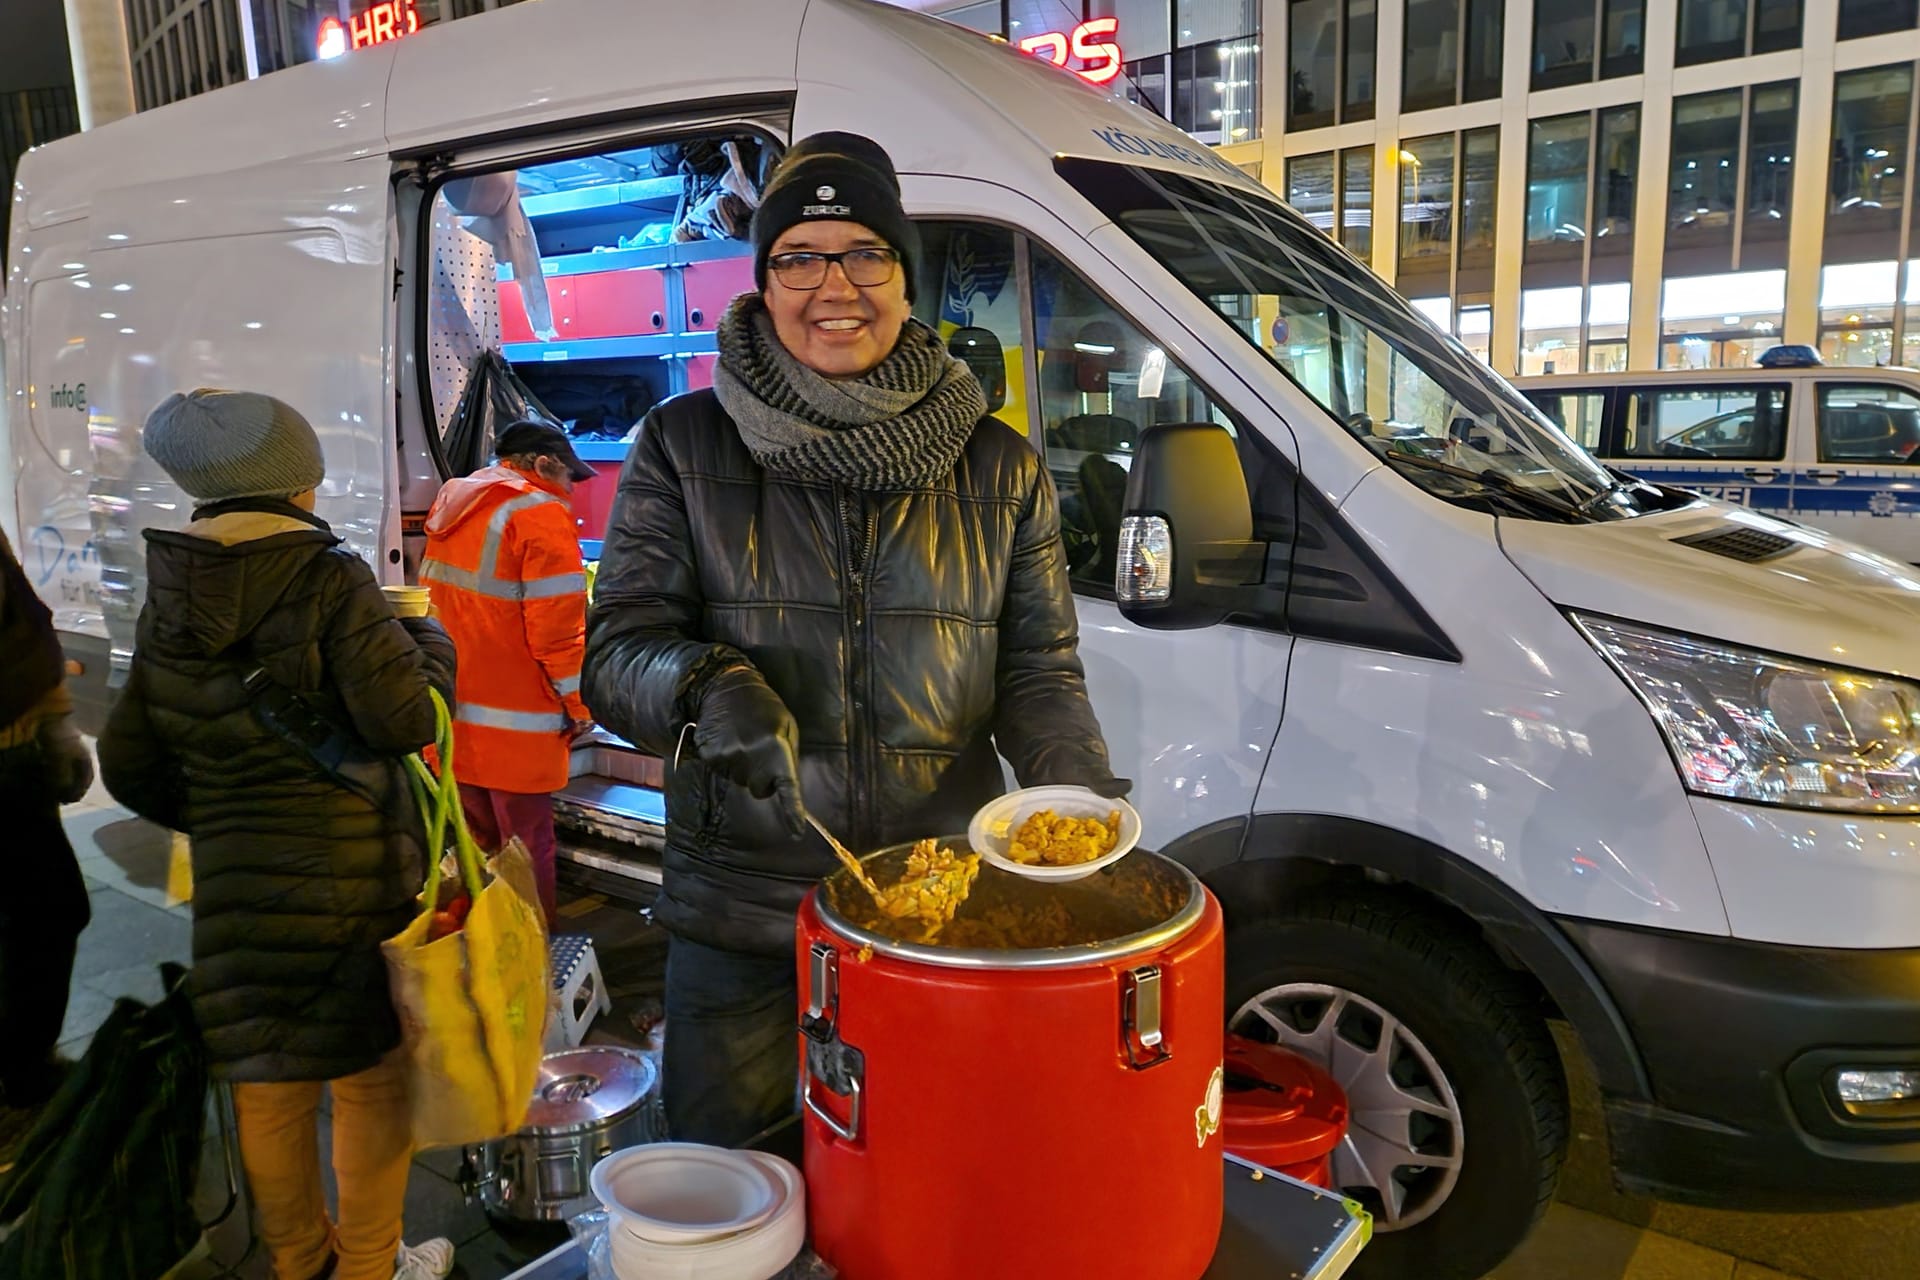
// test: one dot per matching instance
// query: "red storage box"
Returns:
(619, 304)
(593, 500)
(710, 286)
(514, 324)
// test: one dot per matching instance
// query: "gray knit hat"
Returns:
(234, 444)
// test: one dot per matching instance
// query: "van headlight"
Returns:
(1752, 726)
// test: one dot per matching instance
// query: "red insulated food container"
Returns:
(986, 1106)
(1283, 1112)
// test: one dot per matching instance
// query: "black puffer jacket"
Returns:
(296, 878)
(953, 636)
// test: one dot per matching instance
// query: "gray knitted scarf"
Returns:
(901, 425)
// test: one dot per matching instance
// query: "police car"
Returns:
(1836, 448)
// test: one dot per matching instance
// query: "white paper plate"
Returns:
(754, 1254)
(991, 830)
(685, 1192)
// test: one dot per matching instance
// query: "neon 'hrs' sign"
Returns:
(387, 20)
(1099, 59)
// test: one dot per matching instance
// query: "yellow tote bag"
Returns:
(472, 1004)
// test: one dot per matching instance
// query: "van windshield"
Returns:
(1411, 394)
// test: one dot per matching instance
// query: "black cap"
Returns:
(838, 176)
(528, 436)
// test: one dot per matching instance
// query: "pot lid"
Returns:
(589, 1086)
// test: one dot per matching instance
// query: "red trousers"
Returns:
(495, 816)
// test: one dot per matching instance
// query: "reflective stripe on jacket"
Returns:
(503, 565)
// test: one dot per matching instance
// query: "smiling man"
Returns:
(830, 584)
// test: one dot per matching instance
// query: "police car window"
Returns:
(1743, 423)
(1868, 422)
(969, 293)
(1581, 414)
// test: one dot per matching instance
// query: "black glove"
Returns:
(1111, 788)
(69, 763)
(746, 733)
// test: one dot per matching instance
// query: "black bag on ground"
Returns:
(103, 1188)
(495, 398)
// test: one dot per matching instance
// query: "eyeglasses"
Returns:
(863, 267)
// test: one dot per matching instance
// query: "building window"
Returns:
(1559, 155)
(1877, 17)
(1711, 30)
(1773, 114)
(1330, 60)
(1426, 216)
(1356, 202)
(1730, 185)
(1871, 151)
(1334, 191)
(1310, 184)
(1856, 312)
(1720, 321)
(1564, 48)
(1579, 247)
(1867, 178)
(1447, 229)
(1435, 72)
(1195, 63)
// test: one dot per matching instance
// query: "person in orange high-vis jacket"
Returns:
(504, 569)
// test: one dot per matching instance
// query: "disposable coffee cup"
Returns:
(408, 602)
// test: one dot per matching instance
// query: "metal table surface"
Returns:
(1274, 1227)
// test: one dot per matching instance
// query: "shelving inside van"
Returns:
(601, 279)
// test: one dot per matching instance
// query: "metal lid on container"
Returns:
(1140, 903)
(585, 1088)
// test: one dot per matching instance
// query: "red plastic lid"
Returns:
(1280, 1108)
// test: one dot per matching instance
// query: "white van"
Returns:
(1833, 447)
(1466, 736)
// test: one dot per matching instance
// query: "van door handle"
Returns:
(1825, 475)
(1761, 475)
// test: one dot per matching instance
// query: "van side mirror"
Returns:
(1187, 555)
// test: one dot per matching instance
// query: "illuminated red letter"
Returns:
(1054, 42)
(361, 25)
(1104, 57)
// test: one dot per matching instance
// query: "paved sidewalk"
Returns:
(135, 875)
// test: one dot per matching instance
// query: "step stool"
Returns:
(579, 992)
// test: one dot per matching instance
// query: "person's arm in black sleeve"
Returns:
(382, 666)
(1043, 722)
(139, 769)
(647, 664)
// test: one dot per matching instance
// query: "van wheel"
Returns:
(1457, 1100)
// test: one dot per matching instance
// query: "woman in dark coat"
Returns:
(831, 579)
(299, 870)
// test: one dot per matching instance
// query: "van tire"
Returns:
(1481, 1026)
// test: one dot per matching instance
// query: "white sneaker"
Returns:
(428, 1260)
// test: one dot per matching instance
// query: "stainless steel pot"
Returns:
(587, 1102)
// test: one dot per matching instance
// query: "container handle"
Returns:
(848, 1132)
(1142, 1036)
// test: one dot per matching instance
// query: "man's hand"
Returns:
(746, 732)
(575, 730)
(69, 763)
(1111, 788)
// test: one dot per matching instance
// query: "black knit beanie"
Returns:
(839, 176)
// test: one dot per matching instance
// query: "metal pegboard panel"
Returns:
(463, 310)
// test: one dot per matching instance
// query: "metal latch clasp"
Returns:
(823, 996)
(1141, 1035)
